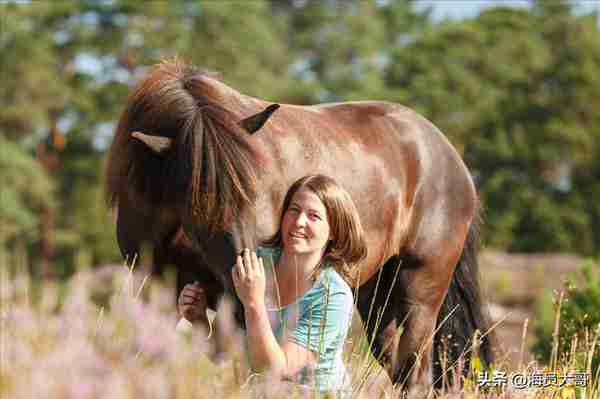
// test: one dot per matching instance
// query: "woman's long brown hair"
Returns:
(347, 246)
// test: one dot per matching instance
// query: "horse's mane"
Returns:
(210, 164)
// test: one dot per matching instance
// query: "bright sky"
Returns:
(456, 9)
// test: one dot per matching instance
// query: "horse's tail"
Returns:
(463, 313)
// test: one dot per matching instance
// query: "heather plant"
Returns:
(109, 333)
(76, 349)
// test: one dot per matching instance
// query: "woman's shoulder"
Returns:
(331, 281)
(329, 292)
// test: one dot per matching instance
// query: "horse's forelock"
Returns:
(212, 162)
(224, 170)
(162, 104)
(159, 105)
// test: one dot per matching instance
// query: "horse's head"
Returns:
(179, 147)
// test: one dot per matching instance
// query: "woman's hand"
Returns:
(249, 279)
(192, 303)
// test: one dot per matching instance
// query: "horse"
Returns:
(199, 171)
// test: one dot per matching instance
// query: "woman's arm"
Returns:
(264, 350)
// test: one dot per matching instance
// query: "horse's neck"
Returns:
(266, 213)
(243, 233)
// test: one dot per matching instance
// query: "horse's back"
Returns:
(398, 135)
(387, 156)
(382, 139)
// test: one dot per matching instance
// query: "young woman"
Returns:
(298, 308)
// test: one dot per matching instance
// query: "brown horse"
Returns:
(191, 152)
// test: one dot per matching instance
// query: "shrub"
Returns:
(577, 311)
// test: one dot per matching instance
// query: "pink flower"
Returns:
(82, 390)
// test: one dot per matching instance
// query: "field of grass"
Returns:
(110, 333)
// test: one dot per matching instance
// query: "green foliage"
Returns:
(579, 317)
(341, 48)
(514, 90)
(66, 71)
(25, 191)
(28, 69)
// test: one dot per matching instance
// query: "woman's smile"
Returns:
(305, 226)
(298, 235)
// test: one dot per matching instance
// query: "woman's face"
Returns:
(305, 228)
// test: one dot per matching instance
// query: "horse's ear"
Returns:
(214, 75)
(256, 121)
(158, 144)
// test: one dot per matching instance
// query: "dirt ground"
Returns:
(512, 283)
